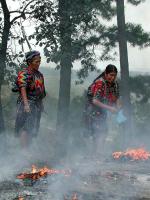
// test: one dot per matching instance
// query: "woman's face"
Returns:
(110, 77)
(35, 63)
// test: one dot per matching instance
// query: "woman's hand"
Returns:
(25, 100)
(27, 108)
(105, 106)
(113, 109)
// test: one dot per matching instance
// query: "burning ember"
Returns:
(20, 198)
(37, 173)
(132, 154)
(74, 197)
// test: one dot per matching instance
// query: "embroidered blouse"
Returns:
(106, 92)
(33, 81)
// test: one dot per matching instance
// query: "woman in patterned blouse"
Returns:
(31, 87)
(103, 96)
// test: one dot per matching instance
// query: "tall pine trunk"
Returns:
(2, 127)
(3, 50)
(124, 65)
(66, 64)
(127, 128)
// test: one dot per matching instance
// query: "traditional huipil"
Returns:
(33, 81)
(105, 92)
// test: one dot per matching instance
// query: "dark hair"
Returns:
(30, 55)
(109, 68)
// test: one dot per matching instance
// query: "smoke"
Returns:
(89, 161)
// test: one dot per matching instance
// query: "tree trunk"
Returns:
(64, 94)
(66, 64)
(127, 128)
(3, 50)
(124, 65)
(2, 128)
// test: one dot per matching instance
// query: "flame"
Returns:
(117, 154)
(37, 173)
(34, 169)
(134, 154)
(20, 198)
(74, 197)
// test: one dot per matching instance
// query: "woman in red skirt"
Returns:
(103, 96)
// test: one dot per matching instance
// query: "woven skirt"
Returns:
(29, 122)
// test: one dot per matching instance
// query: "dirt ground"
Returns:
(90, 179)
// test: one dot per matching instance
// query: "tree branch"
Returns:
(15, 11)
(22, 13)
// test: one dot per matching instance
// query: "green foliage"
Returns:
(136, 36)
(13, 64)
(85, 30)
(81, 25)
(13, 56)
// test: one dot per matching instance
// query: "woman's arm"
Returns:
(22, 81)
(105, 106)
(25, 100)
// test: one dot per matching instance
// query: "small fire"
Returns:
(20, 198)
(74, 197)
(37, 173)
(134, 154)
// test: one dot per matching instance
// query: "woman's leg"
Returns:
(25, 140)
(100, 134)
